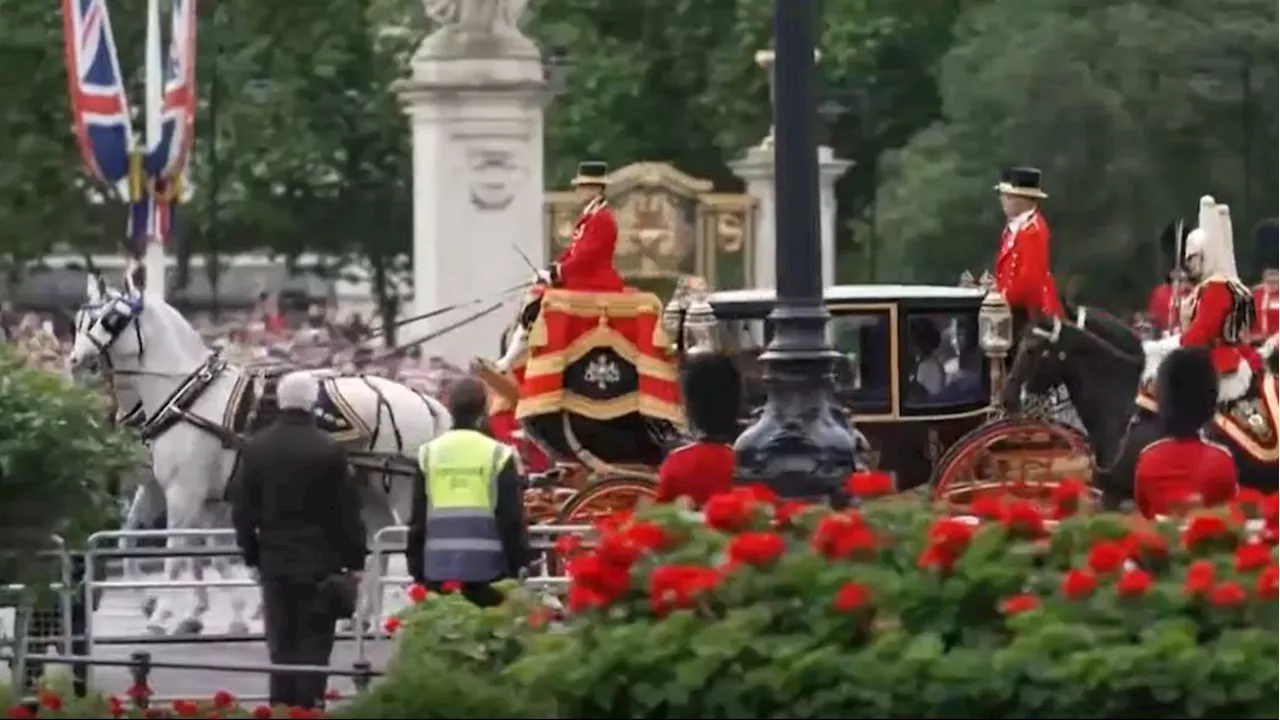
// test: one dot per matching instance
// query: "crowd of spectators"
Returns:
(314, 339)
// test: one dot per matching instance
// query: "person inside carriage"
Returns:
(586, 265)
(1182, 469)
(1220, 310)
(1266, 295)
(712, 391)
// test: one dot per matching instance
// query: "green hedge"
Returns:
(772, 610)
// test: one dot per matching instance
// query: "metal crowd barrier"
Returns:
(41, 616)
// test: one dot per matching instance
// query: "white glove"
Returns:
(542, 276)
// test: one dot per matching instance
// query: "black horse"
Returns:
(1100, 360)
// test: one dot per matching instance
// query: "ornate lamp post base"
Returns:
(799, 447)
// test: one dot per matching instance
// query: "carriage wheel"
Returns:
(597, 501)
(1011, 457)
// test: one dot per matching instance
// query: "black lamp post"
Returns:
(797, 447)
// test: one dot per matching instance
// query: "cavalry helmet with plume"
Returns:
(712, 390)
(1187, 390)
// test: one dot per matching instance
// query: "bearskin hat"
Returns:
(712, 390)
(1187, 390)
(1268, 249)
(1173, 245)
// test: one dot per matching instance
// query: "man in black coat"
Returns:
(296, 512)
(428, 540)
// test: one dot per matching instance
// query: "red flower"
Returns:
(731, 511)
(582, 598)
(391, 625)
(787, 509)
(185, 708)
(116, 706)
(1019, 604)
(1199, 580)
(1077, 584)
(450, 586)
(951, 533)
(647, 536)
(1269, 583)
(617, 550)
(590, 570)
(1252, 556)
(332, 694)
(49, 700)
(936, 557)
(262, 712)
(674, 587)
(756, 548)
(1134, 583)
(851, 596)
(1271, 509)
(869, 483)
(1022, 517)
(1228, 594)
(539, 617)
(223, 700)
(139, 692)
(297, 713)
(1107, 557)
(1203, 529)
(20, 712)
(568, 545)
(1066, 497)
(841, 535)
(990, 507)
(761, 493)
(1248, 503)
(1141, 544)
(417, 593)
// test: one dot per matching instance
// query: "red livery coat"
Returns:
(1266, 308)
(697, 471)
(1214, 306)
(587, 264)
(1164, 310)
(1022, 268)
(1176, 473)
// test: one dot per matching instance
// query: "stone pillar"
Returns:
(474, 100)
(755, 168)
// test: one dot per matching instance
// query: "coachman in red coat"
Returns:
(713, 400)
(1182, 469)
(587, 264)
(1022, 262)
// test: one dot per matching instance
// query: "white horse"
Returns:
(154, 354)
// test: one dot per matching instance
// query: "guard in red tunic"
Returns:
(1183, 470)
(1266, 295)
(587, 264)
(713, 398)
(1220, 312)
(1022, 262)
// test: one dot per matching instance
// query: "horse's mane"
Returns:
(1113, 330)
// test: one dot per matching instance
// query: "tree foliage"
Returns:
(58, 455)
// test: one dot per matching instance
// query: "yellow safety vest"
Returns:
(461, 471)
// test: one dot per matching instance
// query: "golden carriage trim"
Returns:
(669, 224)
(1250, 422)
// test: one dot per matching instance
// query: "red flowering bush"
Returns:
(761, 609)
(51, 703)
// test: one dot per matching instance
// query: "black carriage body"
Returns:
(911, 373)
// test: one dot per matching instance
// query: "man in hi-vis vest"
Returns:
(468, 522)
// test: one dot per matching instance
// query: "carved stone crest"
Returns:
(491, 173)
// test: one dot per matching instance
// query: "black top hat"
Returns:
(1268, 239)
(1021, 181)
(592, 172)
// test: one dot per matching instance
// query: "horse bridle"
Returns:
(120, 320)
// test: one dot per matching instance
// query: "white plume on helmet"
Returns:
(1212, 240)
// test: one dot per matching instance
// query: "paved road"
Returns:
(119, 620)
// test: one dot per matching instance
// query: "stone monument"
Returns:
(474, 100)
(756, 169)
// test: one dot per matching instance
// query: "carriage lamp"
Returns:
(700, 328)
(671, 316)
(995, 325)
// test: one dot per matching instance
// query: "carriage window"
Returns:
(942, 364)
(863, 375)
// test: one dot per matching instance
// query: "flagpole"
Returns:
(154, 259)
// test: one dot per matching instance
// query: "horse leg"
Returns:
(184, 513)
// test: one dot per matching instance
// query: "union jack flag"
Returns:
(99, 107)
(167, 148)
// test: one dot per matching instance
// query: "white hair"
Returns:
(298, 391)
